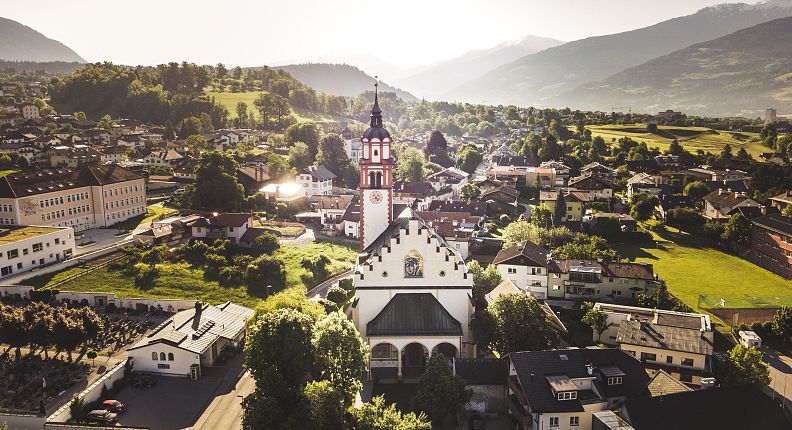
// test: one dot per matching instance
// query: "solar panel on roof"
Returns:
(203, 329)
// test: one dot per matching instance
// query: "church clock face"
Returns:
(375, 197)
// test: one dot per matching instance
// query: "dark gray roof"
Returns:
(533, 366)
(320, 173)
(665, 337)
(775, 222)
(525, 254)
(414, 314)
(724, 408)
(482, 371)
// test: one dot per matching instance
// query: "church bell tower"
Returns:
(376, 178)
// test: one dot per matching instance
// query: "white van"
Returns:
(750, 339)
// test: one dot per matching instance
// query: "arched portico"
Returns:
(448, 350)
(413, 360)
(400, 358)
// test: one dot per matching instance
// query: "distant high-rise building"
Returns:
(770, 115)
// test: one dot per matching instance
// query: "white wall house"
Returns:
(28, 247)
(316, 180)
(526, 265)
(230, 226)
(191, 340)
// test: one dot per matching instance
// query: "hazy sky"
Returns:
(406, 33)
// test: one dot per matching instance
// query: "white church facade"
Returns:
(413, 294)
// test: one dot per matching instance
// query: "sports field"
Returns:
(691, 138)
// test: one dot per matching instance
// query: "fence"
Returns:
(743, 309)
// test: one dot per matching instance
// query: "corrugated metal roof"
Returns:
(414, 314)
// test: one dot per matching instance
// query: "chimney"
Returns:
(721, 191)
(197, 316)
(589, 369)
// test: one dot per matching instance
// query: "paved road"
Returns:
(320, 291)
(225, 411)
(780, 373)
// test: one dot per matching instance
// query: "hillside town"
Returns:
(190, 246)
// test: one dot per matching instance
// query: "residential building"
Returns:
(351, 219)
(192, 340)
(561, 389)
(231, 226)
(611, 281)
(90, 197)
(597, 188)
(524, 264)
(28, 110)
(679, 343)
(254, 178)
(316, 180)
(711, 174)
(598, 170)
(162, 157)
(782, 200)
(23, 248)
(561, 171)
(113, 154)
(450, 177)
(771, 244)
(724, 408)
(720, 205)
(573, 200)
(73, 156)
(458, 228)
(328, 211)
(409, 193)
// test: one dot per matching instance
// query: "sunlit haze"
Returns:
(404, 33)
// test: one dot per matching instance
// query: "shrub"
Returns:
(337, 295)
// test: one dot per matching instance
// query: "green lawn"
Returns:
(691, 138)
(152, 212)
(182, 281)
(230, 100)
(690, 268)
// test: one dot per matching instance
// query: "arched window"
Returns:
(170, 356)
(162, 356)
(372, 180)
(154, 356)
(376, 153)
(379, 180)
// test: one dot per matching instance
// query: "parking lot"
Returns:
(176, 403)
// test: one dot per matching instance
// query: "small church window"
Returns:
(170, 356)
(442, 273)
(413, 265)
(385, 274)
(154, 356)
(162, 356)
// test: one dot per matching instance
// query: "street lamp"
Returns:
(268, 290)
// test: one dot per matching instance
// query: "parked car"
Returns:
(102, 416)
(114, 406)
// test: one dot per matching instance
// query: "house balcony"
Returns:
(581, 288)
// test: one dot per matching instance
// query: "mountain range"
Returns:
(21, 43)
(435, 80)
(538, 78)
(741, 73)
(339, 79)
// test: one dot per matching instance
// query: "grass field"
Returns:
(230, 100)
(690, 268)
(152, 212)
(7, 172)
(691, 138)
(182, 281)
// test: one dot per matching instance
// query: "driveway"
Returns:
(179, 403)
(780, 372)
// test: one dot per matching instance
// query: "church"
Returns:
(413, 293)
